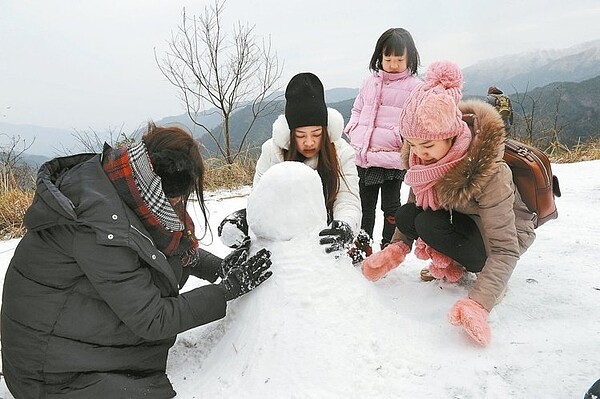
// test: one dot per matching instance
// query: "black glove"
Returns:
(361, 249)
(234, 258)
(246, 275)
(337, 236)
(233, 230)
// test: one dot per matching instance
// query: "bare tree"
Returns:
(92, 141)
(14, 172)
(528, 106)
(209, 66)
(555, 145)
(12, 152)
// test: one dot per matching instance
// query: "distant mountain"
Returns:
(210, 118)
(45, 141)
(336, 95)
(35, 161)
(528, 70)
(578, 107)
(339, 98)
(262, 130)
(517, 73)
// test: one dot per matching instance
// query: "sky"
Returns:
(91, 64)
(318, 329)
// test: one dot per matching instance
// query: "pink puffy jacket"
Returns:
(373, 127)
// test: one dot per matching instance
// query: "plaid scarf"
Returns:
(130, 171)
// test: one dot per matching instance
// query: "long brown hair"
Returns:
(328, 166)
(174, 138)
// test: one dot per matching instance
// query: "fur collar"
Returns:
(281, 130)
(470, 176)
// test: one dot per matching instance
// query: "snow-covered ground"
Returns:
(318, 329)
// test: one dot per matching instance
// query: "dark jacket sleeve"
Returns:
(207, 267)
(127, 286)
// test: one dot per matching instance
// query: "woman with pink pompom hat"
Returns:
(464, 212)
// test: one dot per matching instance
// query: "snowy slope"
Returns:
(317, 329)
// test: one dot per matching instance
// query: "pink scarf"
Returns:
(423, 178)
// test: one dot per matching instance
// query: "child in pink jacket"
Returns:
(373, 128)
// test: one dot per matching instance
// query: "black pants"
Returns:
(458, 238)
(390, 201)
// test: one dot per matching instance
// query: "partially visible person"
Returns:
(311, 133)
(374, 131)
(464, 212)
(500, 101)
(594, 391)
(91, 301)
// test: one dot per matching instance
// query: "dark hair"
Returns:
(494, 90)
(175, 156)
(393, 42)
(328, 166)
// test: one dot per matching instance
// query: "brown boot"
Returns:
(426, 275)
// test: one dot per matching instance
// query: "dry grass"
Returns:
(16, 194)
(220, 174)
(15, 199)
(582, 152)
(13, 204)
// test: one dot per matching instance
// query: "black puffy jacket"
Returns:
(90, 307)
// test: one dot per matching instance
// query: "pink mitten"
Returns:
(473, 318)
(443, 266)
(422, 250)
(441, 260)
(379, 264)
(454, 272)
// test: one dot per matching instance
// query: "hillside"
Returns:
(578, 106)
(572, 109)
(262, 128)
(528, 70)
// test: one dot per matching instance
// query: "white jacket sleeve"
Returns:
(265, 161)
(347, 204)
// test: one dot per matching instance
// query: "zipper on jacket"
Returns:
(148, 238)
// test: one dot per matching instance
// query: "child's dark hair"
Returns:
(393, 42)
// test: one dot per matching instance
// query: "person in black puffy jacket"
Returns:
(91, 301)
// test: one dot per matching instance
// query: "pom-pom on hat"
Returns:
(431, 110)
(305, 101)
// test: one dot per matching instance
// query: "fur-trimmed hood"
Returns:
(470, 176)
(281, 130)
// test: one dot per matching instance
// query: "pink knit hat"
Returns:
(431, 110)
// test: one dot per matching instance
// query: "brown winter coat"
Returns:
(481, 187)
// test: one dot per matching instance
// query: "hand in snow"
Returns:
(380, 263)
(338, 236)
(236, 257)
(473, 318)
(246, 275)
(233, 230)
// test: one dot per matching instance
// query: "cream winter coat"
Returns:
(347, 204)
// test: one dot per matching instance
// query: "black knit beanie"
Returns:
(177, 172)
(305, 101)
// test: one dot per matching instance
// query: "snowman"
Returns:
(315, 328)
